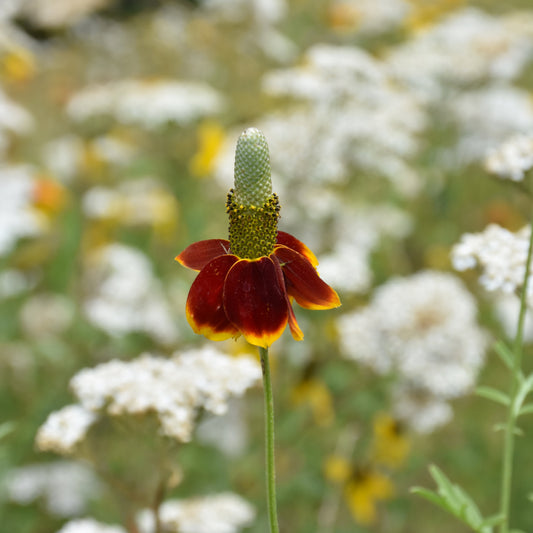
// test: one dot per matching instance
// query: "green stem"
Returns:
(510, 429)
(269, 442)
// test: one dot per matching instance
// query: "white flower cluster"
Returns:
(148, 103)
(512, 159)
(424, 329)
(65, 429)
(358, 114)
(59, 13)
(89, 525)
(368, 17)
(488, 117)
(173, 389)
(500, 253)
(135, 203)
(125, 296)
(220, 513)
(67, 156)
(17, 217)
(64, 486)
(358, 233)
(466, 46)
(13, 119)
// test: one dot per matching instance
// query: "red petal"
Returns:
(303, 282)
(197, 255)
(205, 309)
(286, 239)
(255, 301)
(293, 323)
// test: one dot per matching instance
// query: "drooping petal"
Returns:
(303, 282)
(288, 240)
(296, 332)
(205, 308)
(197, 255)
(255, 301)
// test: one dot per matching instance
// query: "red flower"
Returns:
(233, 296)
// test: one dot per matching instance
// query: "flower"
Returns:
(64, 486)
(512, 159)
(364, 490)
(246, 283)
(218, 513)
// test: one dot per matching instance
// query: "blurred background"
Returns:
(118, 122)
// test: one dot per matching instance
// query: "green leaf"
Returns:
(526, 409)
(505, 353)
(523, 391)
(493, 520)
(455, 500)
(493, 394)
(431, 496)
(6, 428)
(502, 427)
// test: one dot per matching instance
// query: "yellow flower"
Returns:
(49, 196)
(425, 13)
(363, 492)
(210, 137)
(337, 469)
(18, 65)
(390, 446)
(343, 16)
(313, 393)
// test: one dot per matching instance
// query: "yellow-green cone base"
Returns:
(252, 229)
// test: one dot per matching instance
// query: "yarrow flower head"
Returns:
(245, 284)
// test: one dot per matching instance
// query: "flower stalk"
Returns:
(513, 410)
(269, 442)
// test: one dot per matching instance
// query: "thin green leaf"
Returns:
(454, 499)
(493, 394)
(433, 497)
(493, 520)
(6, 428)
(505, 353)
(526, 409)
(502, 427)
(445, 487)
(523, 391)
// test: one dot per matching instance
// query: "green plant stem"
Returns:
(269, 442)
(510, 428)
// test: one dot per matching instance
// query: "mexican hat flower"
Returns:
(246, 284)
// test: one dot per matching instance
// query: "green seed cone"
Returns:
(253, 185)
(252, 207)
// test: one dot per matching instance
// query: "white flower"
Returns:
(355, 114)
(59, 13)
(65, 429)
(65, 486)
(88, 525)
(424, 327)
(507, 309)
(47, 314)
(147, 103)
(419, 410)
(499, 253)
(512, 159)
(125, 296)
(220, 513)
(488, 117)
(174, 389)
(464, 47)
(135, 203)
(17, 217)
(369, 17)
